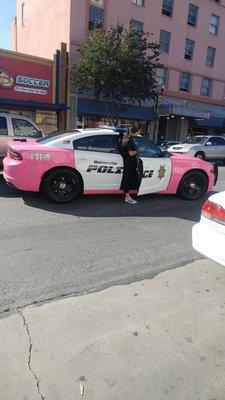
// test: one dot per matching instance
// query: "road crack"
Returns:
(37, 380)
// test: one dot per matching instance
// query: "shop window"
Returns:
(185, 82)
(164, 41)
(192, 15)
(206, 87)
(96, 18)
(167, 8)
(23, 128)
(214, 24)
(210, 58)
(189, 49)
(3, 126)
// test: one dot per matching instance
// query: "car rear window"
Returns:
(53, 136)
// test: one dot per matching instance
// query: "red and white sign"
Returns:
(27, 80)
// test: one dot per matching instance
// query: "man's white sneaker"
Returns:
(130, 201)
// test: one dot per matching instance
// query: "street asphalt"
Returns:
(49, 251)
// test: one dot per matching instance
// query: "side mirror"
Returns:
(209, 144)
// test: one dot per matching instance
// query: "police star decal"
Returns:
(161, 172)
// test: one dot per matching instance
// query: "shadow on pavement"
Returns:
(161, 206)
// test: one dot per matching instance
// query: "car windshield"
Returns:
(195, 139)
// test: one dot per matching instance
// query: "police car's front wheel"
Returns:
(193, 185)
(62, 185)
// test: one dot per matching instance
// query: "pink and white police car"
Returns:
(66, 165)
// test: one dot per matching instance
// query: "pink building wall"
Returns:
(47, 23)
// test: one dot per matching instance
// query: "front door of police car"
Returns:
(98, 160)
(157, 169)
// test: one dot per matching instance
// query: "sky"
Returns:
(8, 11)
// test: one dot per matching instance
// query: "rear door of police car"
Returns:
(98, 160)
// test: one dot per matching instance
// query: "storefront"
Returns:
(35, 87)
(89, 112)
(179, 119)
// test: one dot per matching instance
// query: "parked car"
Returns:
(203, 147)
(67, 165)
(208, 236)
(16, 127)
(166, 144)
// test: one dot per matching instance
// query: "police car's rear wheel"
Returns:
(193, 185)
(62, 185)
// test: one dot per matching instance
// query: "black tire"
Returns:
(193, 185)
(62, 185)
(200, 155)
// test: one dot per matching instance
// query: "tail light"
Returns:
(214, 211)
(15, 155)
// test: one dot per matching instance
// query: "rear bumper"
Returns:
(209, 241)
(19, 176)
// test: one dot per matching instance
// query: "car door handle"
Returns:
(82, 159)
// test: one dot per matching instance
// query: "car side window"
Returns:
(98, 143)
(81, 144)
(147, 148)
(103, 144)
(23, 128)
(217, 141)
(3, 126)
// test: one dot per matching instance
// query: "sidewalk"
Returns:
(162, 339)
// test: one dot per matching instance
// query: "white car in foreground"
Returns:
(208, 236)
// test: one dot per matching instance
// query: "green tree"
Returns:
(120, 65)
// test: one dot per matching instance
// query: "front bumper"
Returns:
(208, 239)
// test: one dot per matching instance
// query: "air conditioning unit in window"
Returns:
(98, 3)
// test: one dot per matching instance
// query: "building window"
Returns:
(160, 77)
(206, 87)
(139, 2)
(192, 15)
(22, 13)
(214, 24)
(137, 25)
(185, 82)
(189, 49)
(167, 8)
(217, 1)
(164, 41)
(211, 55)
(96, 18)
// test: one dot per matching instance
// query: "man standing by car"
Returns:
(131, 176)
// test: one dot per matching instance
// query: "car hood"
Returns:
(189, 158)
(184, 146)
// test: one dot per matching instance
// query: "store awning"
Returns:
(32, 105)
(218, 123)
(95, 108)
